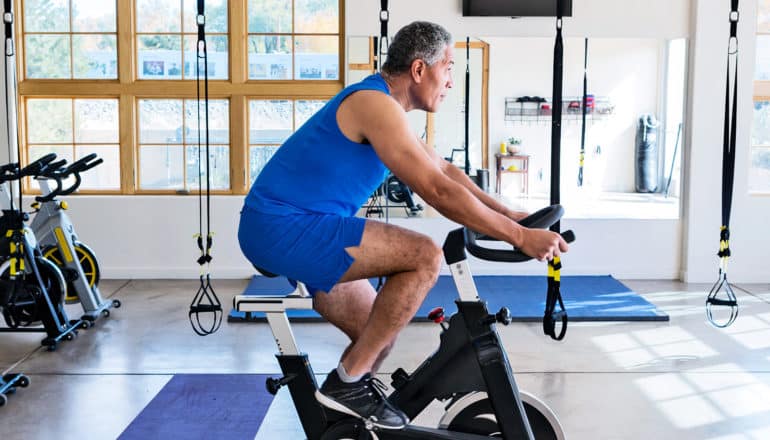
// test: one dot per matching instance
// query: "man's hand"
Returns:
(542, 244)
(516, 215)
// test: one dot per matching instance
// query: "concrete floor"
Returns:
(647, 380)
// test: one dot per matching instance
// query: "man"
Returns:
(299, 217)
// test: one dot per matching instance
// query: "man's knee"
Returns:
(433, 257)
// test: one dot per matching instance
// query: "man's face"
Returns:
(437, 80)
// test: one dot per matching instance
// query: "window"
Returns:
(167, 43)
(293, 39)
(73, 128)
(169, 139)
(759, 173)
(73, 39)
(270, 123)
(118, 79)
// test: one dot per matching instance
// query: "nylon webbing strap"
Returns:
(728, 177)
(467, 104)
(585, 110)
(10, 86)
(8, 20)
(384, 42)
(205, 299)
(551, 316)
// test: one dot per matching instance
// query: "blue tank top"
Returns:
(318, 169)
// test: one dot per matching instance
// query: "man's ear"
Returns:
(418, 70)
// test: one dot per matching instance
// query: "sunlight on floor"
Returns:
(641, 349)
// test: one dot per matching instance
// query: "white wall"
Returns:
(592, 18)
(625, 70)
(151, 237)
(749, 241)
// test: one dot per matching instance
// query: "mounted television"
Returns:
(515, 8)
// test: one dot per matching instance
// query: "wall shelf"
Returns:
(537, 109)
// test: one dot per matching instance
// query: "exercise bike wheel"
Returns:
(25, 312)
(352, 429)
(395, 190)
(88, 263)
(473, 414)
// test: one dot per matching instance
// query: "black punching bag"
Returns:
(647, 155)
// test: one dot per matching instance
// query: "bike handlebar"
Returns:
(11, 171)
(541, 219)
(75, 168)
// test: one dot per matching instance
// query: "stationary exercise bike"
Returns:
(60, 243)
(469, 372)
(31, 288)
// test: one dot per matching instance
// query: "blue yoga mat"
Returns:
(586, 298)
(204, 406)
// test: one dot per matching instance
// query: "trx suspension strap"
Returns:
(11, 105)
(382, 51)
(384, 42)
(205, 300)
(551, 317)
(585, 110)
(728, 174)
(467, 106)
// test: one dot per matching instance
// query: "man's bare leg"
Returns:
(411, 261)
(349, 311)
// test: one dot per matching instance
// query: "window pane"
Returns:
(160, 56)
(47, 56)
(216, 49)
(306, 109)
(95, 56)
(61, 151)
(760, 129)
(161, 167)
(316, 16)
(158, 16)
(763, 16)
(269, 57)
(762, 69)
(316, 57)
(46, 16)
(269, 16)
(219, 122)
(759, 174)
(49, 121)
(270, 121)
(96, 121)
(93, 16)
(219, 164)
(105, 175)
(160, 121)
(216, 16)
(258, 157)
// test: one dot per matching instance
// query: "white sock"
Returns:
(345, 377)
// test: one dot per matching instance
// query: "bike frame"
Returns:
(470, 358)
(53, 227)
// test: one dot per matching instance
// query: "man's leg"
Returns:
(348, 307)
(411, 261)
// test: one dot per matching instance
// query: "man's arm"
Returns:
(379, 119)
(460, 177)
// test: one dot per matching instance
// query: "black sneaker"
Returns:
(364, 399)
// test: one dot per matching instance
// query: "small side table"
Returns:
(500, 159)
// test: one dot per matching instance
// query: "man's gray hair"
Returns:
(418, 40)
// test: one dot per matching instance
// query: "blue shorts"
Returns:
(303, 247)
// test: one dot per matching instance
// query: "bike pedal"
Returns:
(400, 378)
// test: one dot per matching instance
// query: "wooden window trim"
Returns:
(128, 89)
